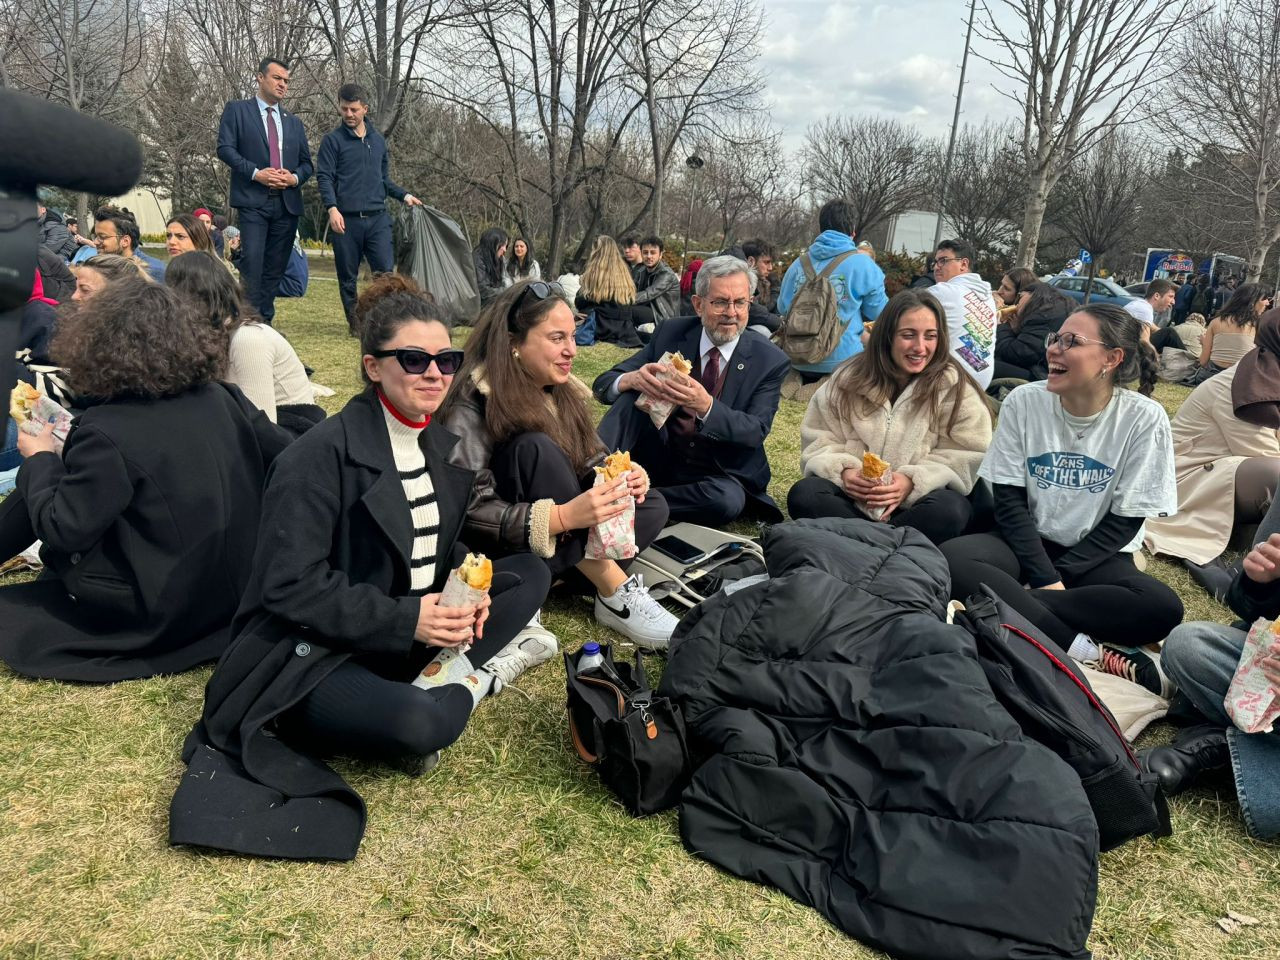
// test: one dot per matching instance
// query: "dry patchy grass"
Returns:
(509, 849)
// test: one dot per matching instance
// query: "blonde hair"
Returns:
(114, 267)
(606, 278)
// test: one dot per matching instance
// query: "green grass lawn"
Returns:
(510, 848)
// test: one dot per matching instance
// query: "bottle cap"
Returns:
(590, 649)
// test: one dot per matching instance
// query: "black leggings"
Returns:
(1113, 603)
(940, 515)
(355, 711)
(532, 467)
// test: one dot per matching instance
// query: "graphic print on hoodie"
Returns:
(971, 323)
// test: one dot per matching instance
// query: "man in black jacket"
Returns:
(657, 287)
(354, 180)
(708, 460)
(1201, 658)
(53, 233)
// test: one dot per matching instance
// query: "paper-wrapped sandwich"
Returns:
(465, 587)
(1251, 702)
(674, 364)
(873, 468)
(33, 411)
(614, 539)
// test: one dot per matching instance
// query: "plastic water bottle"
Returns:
(591, 658)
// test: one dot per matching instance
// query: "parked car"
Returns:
(1137, 289)
(1103, 291)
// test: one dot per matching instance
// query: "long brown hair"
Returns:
(866, 382)
(1120, 330)
(516, 404)
(196, 230)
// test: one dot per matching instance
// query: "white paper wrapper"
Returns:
(44, 412)
(659, 410)
(1251, 703)
(456, 593)
(614, 539)
(875, 513)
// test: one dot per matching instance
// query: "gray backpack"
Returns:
(812, 327)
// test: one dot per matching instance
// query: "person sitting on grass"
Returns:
(183, 234)
(260, 361)
(1039, 311)
(95, 273)
(1226, 447)
(1077, 463)
(909, 402)
(1230, 334)
(362, 519)
(1201, 658)
(527, 432)
(150, 513)
(608, 290)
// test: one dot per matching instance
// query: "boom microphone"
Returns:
(49, 144)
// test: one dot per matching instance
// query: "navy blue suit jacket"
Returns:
(738, 422)
(242, 146)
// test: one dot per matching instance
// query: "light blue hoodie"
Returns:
(859, 287)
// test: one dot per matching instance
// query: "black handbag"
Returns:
(634, 739)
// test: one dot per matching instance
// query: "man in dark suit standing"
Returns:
(708, 459)
(269, 158)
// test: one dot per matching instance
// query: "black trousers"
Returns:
(16, 533)
(1011, 371)
(367, 238)
(266, 239)
(940, 515)
(363, 712)
(531, 467)
(1166, 337)
(1113, 603)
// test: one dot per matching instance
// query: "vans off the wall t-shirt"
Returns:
(1076, 470)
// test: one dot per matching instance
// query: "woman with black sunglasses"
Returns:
(528, 432)
(361, 521)
(1077, 463)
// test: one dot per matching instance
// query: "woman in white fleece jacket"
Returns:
(906, 400)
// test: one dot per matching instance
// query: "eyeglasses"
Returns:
(415, 361)
(721, 305)
(541, 289)
(941, 260)
(1069, 340)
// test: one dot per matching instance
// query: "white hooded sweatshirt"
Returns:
(971, 323)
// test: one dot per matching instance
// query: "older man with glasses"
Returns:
(708, 458)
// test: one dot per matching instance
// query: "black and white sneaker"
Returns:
(636, 615)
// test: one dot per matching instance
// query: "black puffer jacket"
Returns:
(857, 759)
(1025, 346)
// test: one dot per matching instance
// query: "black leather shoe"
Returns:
(1195, 753)
(1213, 577)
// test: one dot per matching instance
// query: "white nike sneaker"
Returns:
(533, 645)
(636, 615)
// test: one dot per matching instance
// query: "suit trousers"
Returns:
(266, 240)
(367, 238)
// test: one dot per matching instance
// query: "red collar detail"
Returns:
(415, 424)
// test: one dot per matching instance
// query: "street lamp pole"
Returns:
(955, 126)
(694, 163)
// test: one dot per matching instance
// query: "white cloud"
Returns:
(857, 56)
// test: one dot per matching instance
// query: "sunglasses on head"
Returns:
(415, 361)
(541, 289)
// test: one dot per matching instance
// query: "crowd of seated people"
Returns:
(204, 508)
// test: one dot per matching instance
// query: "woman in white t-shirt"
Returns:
(260, 361)
(1077, 464)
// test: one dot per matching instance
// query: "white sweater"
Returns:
(266, 368)
(901, 434)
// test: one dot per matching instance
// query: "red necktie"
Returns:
(273, 139)
(711, 371)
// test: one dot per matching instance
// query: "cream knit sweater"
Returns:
(264, 365)
(903, 435)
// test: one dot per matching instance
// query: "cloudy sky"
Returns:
(854, 56)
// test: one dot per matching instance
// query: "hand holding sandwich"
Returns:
(449, 626)
(29, 444)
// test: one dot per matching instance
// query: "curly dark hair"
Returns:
(137, 339)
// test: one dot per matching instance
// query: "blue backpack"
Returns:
(585, 335)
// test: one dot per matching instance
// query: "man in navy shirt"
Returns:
(354, 183)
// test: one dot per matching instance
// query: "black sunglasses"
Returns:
(540, 289)
(415, 361)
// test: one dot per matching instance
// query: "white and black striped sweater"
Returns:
(412, 467)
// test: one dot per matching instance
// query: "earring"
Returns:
(515, 354)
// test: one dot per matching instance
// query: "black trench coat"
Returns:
(330, 580)
(148, 521)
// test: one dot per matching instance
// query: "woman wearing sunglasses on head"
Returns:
(362, 517)
(528, 432)
(1077, 463)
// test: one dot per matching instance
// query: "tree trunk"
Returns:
(1033, 220)
(1088, 287)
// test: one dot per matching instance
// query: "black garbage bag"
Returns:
(435, 251)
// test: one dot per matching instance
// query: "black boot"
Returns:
(1195, 753)
(1214, 577)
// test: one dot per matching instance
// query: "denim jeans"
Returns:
(1201, 659)
(10, 459)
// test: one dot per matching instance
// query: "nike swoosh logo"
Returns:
(623, 614)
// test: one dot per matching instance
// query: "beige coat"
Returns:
(1209, 443)
(897, 433)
